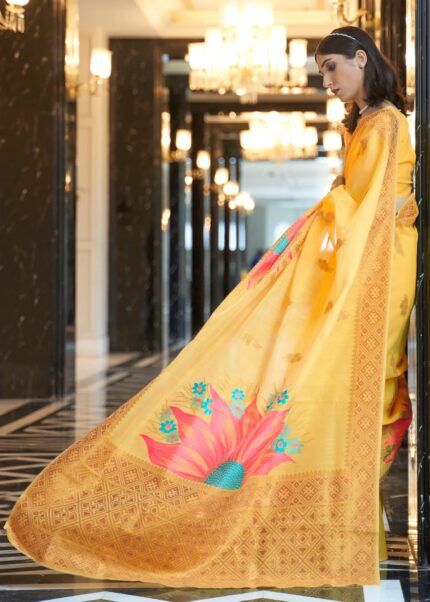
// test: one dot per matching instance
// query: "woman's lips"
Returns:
(336, 91)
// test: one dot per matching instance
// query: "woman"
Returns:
(253, 459)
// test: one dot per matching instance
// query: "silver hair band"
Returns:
(338, 33)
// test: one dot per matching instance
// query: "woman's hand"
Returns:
(339, 181)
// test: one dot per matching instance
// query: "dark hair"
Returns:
(380, 77)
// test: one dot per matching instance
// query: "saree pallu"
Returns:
(253, 459)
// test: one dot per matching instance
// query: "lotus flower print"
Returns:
(224, 452)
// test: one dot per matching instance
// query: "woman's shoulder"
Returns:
(386, 118)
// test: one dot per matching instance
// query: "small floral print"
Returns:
(165, 414)
(285, 431)
(207, 406)
(172, 437)
(282, 397)
(294, 446)
(280, 445)
(237, 409)
(199, 388)
(238, 394)
(196, 402)
(168, 426)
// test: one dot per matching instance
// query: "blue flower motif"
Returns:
(199, 388)
(282, 397)
(168, 426)
(238, 394)
(237, 408)
(294, 446)
(280, 445)
(206, 406)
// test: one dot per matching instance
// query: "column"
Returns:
(37, 225)
(136, 96)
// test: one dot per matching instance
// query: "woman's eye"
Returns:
(331, 67)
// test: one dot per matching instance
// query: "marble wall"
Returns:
(135, 196)
(35, 224)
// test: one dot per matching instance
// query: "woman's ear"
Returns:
(361, 58)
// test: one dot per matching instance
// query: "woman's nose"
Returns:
(326, 82)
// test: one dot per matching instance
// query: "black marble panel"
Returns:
(135, 195)
(34, 221)
(423, 290)
(177, 276)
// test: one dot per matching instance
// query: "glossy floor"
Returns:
(32, 432)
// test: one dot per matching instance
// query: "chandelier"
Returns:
(278, 137)
(14, 16)
(341, 11)
(246, 55)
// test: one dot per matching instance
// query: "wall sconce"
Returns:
(243, 200)
(100, 69)
(203, 160)
(14, 16)
(221, 176)
(332, 140)
(335, 110)
(183, 142)
(230, 188)
(339, 8)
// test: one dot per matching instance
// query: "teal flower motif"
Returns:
(199, 388)
(294, 446)
(168, 426)
(282, 397)
(280, 444)
(238, 394)
(237, 408)
(207, 406)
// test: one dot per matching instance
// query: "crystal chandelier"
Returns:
(278, 137)
(246, 54)
(14, 16)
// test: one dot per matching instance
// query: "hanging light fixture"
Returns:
(247, 54)
(13, 20)
(278, 137)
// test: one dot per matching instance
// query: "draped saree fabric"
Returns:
(254, 458)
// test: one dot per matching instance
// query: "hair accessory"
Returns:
(346, 35)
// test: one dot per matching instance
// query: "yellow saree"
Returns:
(253, 459)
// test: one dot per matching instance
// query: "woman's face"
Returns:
(344, 76)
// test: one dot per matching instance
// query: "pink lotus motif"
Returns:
(225, 452)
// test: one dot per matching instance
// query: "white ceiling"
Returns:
(190, 18)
